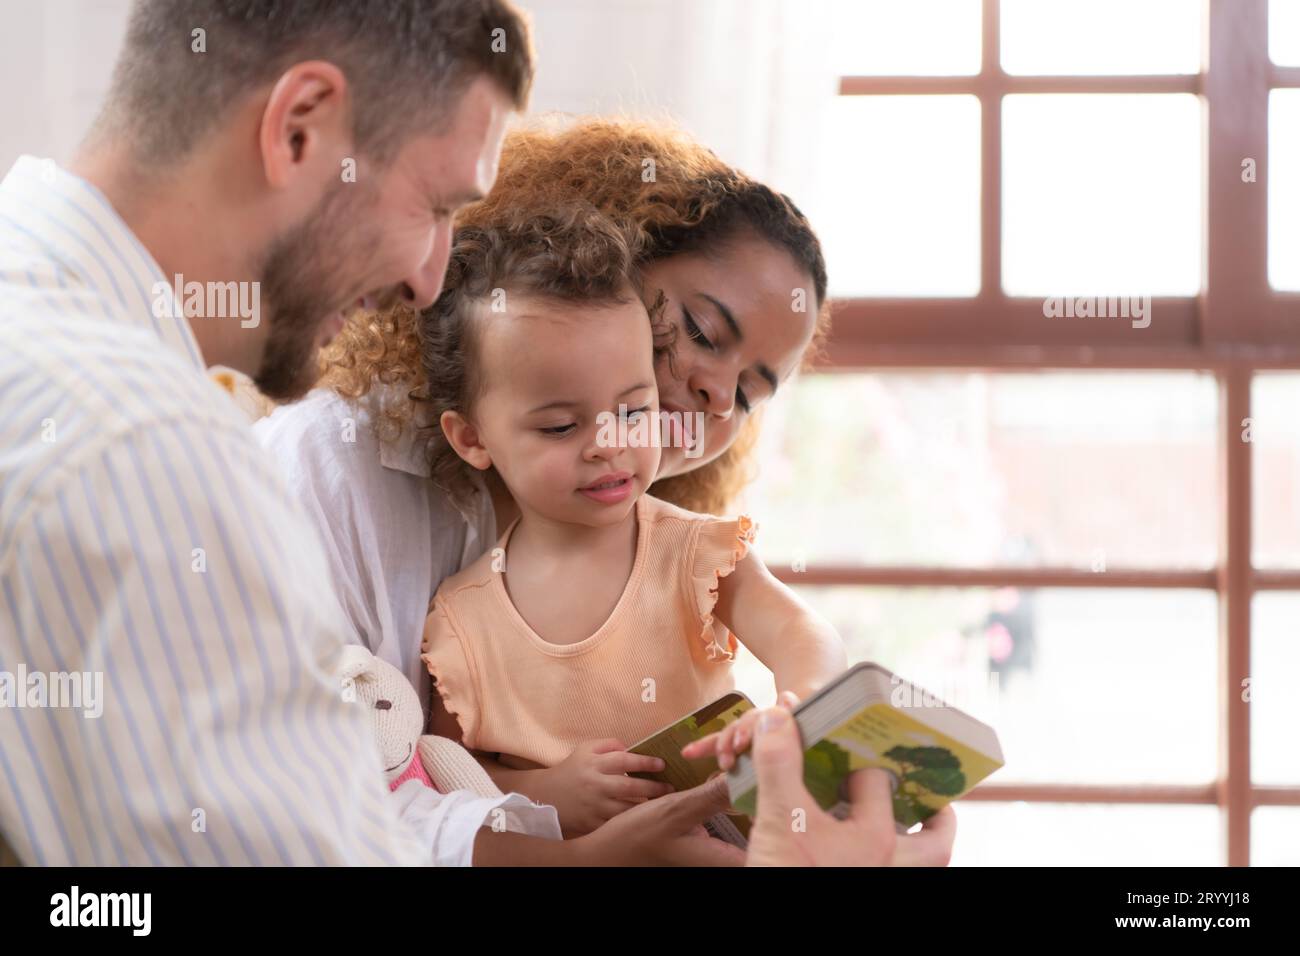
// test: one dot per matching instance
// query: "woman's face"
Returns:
(740, 334)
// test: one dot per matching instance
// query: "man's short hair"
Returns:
(406, 63)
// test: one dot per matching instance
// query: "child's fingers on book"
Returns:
(710, 745)
(624, 762)
(736, 736)
(740, 735)
(704, 747)
(733, 740)
(715, 744)
(743, 729)
(742, 739)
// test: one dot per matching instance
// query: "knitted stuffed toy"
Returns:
(395, 714)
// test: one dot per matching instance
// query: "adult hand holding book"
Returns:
(790, 829)
(866, 837)
(868, 744)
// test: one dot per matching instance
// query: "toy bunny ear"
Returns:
(354, 661)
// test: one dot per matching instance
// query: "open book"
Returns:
(684, 774)
(869, 717)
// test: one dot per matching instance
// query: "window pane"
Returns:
(1084, 469)
(915, 38)
(1274, 836)
(1284, 32)
(1073, 834)
(1082, 686)
(1101, 194)
(1273, 431)
(1081, 37)
(906, 220)
(1284, 189)
(1274, 707)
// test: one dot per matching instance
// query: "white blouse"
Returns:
(390, 536)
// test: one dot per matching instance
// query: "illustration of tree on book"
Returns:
(867, 717)
(918, 771)
(933, 769)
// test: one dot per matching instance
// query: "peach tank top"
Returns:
(659, 655)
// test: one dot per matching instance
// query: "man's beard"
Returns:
(301, 289)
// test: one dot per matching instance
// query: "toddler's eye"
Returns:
(556, 430)
(632, 413)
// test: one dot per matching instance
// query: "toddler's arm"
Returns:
(798, 645)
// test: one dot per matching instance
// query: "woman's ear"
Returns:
(464, 438)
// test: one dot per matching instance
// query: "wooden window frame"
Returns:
(1238, 325)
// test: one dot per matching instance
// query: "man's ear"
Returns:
(305, 125)
(464, 437)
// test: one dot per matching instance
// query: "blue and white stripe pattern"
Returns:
(144, 536)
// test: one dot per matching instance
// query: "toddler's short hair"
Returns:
(571, 254)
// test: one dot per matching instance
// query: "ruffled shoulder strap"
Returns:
(444, 655)
(719, 544)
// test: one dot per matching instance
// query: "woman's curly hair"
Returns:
(668, 194)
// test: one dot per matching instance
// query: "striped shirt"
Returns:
(166, 624)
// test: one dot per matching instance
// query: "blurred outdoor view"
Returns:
(1084, 470)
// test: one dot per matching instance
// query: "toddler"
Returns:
(603, 613)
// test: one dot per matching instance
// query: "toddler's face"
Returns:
(555, 374)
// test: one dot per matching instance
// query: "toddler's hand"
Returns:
(734, 738)
(591, 785)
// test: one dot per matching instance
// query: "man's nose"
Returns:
(422, 287)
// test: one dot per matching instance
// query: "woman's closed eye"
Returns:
(742, 400)
(695, 333)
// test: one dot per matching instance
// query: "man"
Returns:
(166, 628)
(259, 168)
(293, 159)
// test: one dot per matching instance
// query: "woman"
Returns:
(744, 283)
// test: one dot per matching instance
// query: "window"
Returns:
(1101, 193)
(1053, 450)
(1284, 189)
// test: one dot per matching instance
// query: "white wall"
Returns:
(55, 61)
(750, 78)
(747, 77)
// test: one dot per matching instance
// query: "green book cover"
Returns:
(869, 717)
(684, 774)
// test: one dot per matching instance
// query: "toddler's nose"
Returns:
(601, 451)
